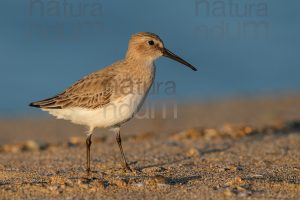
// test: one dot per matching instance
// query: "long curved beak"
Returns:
(169, 54)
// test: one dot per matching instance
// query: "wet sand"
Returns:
(246, 148)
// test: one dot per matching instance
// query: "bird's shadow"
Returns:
(202, 152)
(161, 164)
(181, 180)
(208, 150)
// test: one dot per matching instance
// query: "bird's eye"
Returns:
(151, 42)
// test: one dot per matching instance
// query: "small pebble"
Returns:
(139, 184)
(9, 148)
(191, 133)
(120, 183)
(75, 141)
(156, 181)
(230, 168)
(210, 133)
(193, 152)
(255, 176)
(31, 145)
(151, 170)
(57, 180)
(236, 181)
(69, 183)
(53, 187)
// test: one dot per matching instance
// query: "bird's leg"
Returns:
(119, 141)
(88, 152)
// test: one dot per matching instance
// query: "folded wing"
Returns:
(93, 91)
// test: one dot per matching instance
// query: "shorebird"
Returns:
(111, 96)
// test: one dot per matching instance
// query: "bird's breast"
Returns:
(142, 81)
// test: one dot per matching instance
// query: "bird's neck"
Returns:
(140, 62)
(141, 70)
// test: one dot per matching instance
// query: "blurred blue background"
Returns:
(240, 47)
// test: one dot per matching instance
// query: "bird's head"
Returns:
(149, 47)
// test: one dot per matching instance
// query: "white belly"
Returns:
(112, 114)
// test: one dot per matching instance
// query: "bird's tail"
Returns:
(46, 103)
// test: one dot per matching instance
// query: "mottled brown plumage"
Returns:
(101, 87)
(99, 99)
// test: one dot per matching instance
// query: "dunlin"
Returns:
(111, 96)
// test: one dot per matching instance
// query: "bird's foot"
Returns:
(127, 168)
(88, 172)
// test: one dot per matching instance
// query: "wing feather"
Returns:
(93, 91)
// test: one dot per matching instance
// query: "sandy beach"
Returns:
(244, 148)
